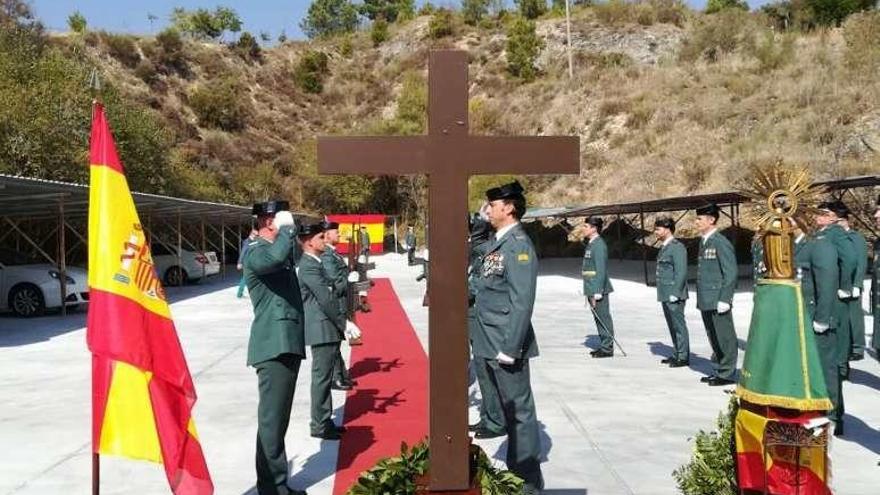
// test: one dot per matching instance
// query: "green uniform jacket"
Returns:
(803, 252)
(505, 298)
(672, 272)
(320, 303)
(365, 240)
(846, 262)
(410, 240)
(875, 286)
(336, 269)
(595, 268)
(821, 279)
(278, 326)
(860, 250)
(716, 272)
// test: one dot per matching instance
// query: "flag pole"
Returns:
(95, 88)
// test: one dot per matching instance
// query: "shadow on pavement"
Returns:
(862, 377)
(857, 431)
(698, 363)
(23, 331)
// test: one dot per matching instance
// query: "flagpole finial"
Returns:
(95, 84)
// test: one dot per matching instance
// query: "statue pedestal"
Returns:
(423, 481)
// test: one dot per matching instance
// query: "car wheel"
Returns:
(26, 300)
(174, 277)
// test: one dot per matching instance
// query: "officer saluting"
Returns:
(672, 290)
(324, 328)
(277, 342)
(504, 339)
(716, 282)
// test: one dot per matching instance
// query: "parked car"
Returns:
(190, 267)
(28, 287)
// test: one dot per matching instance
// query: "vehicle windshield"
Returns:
(9, 257)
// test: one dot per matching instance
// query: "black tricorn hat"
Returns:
(835, 206)
(309, 230)
(513, 190)
(710, 210)
(270, 207)
(330, 225)
(878, 201)
(665, 222)
(595, 222)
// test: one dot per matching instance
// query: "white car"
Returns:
(191, 267)
(28, 287)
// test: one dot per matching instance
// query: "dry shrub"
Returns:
(862, 35)
(123, 48)
(644, 12)
(711, 36)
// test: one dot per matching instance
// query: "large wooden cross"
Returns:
(448, 156)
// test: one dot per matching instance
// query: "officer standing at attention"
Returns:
(828, 221)
(277, 342)
(410, 243)
(324, 328)
(597, 286)
(875, 286)
(505, 340)
(492, 422)
(716, 283)
(336, 269)
(364, 240)
(856, 350)
(672, 290)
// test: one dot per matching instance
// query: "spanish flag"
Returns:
(142, 392)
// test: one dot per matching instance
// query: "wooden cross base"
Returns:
(423, 481)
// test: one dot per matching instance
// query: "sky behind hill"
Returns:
(270, 16)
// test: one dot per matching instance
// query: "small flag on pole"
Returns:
(142, 391)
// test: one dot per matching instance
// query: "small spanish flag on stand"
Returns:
(142, 391)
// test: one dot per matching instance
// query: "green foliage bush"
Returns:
(531, 9)
(713, 6)
(473, 11)
(711, 468)
(646, 13)
(379, 31)
(205, 25)
(329, 18)
(387, 9)
(711, 36)
(171, 56)
(123, 48)
(861, 32)
(248, 48)
(772, 51)
(397, 475)
(834, 12)
(311, 71)
(442, 24)
(77, 22)
(523, 47)
(221, 104)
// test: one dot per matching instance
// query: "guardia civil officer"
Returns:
(409, 242)
(324, 328)
(672, 290)
(597, 285)
(336, 269)
(505, 340)
(856, 350)
(716, 283)
(277, 341)
(364, 239)
(492, 422)
(875, 286)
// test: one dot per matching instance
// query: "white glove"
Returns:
(504, 358)
(353, 276)
(362, 259)
(820, 327)
(857, 293)
(425, 254)
(842, 294)
(597, 297)
(283, 219)
(673, 299)
(351, 330)
(723, 307)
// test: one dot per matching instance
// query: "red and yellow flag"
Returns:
(142, 392)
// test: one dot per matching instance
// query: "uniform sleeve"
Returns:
(824, 270)
(521, 274)
(680, 266)
(847, 261)
(312, 276)
(727, 262)
(600, 256)
(270, 258)
(334, 274)
(861, 252)
(588, 279)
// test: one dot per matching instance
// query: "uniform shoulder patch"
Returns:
(523, 257)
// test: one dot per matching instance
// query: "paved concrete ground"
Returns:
(613, 426)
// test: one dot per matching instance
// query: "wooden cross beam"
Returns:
(448, 156)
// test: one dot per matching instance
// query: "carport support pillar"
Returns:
(395, 234)
(644, 245)
(62, 257)
(179, 251)
(96, 473)
(619, 239)
(223, 248)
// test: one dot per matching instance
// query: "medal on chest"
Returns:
(493, 264)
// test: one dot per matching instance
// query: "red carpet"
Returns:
(390, 403)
